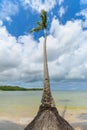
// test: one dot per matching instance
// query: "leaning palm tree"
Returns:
(47, 117)
(47, 99)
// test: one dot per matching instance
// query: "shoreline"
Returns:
(19, 108)
(20, 125)
(77, 118)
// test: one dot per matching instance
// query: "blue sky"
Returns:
(21, 53)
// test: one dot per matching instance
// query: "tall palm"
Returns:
(47, 99)
(47, 117)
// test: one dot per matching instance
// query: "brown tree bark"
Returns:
(47, 99)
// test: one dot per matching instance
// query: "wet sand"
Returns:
(77, 118)
(17, 112)
(8, 125)
(80, 125)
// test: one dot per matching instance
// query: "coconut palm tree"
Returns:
(47, 99)
(47, 117)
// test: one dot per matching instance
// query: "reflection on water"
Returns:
(65, 100)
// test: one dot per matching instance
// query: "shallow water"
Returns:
(24, 103)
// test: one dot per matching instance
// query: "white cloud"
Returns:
(8, 19)
(84, 14)
(60, 2)
(83, 1)
(22, 59)
(9, 50)
(61, 11)
(38, 5)
(7, 9)
(71, 62)
(1, 23)
(16, 58)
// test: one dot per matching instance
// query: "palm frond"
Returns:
(43, 17)
(42, 24)
(36, 29)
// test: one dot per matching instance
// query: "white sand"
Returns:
(77, 118)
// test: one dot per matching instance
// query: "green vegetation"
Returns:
(16, 88)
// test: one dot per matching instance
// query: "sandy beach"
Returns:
(22, 107)
(77, 118)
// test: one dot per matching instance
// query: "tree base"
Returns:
(48, 118)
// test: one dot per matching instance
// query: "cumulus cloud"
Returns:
(38, 5)
(71, 62)
(17, 58)
(60, 1)
(61, 11)
(1, 22)
(9, 50)
(83, 1)
(8, 9)
(84, 14)
(22, 59)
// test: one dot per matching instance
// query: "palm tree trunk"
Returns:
(47, 99)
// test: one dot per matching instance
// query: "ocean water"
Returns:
(26, 103)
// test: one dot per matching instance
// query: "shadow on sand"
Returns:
(77, 125)
(83, 116)
(80, 125)
(8, 125)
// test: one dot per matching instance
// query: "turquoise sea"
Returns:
(26, 103)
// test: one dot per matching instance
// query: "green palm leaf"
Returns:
(36, 29)
(42, 24)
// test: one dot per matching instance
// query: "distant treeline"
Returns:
(17, 88)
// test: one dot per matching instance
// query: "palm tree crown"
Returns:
(43, 24)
